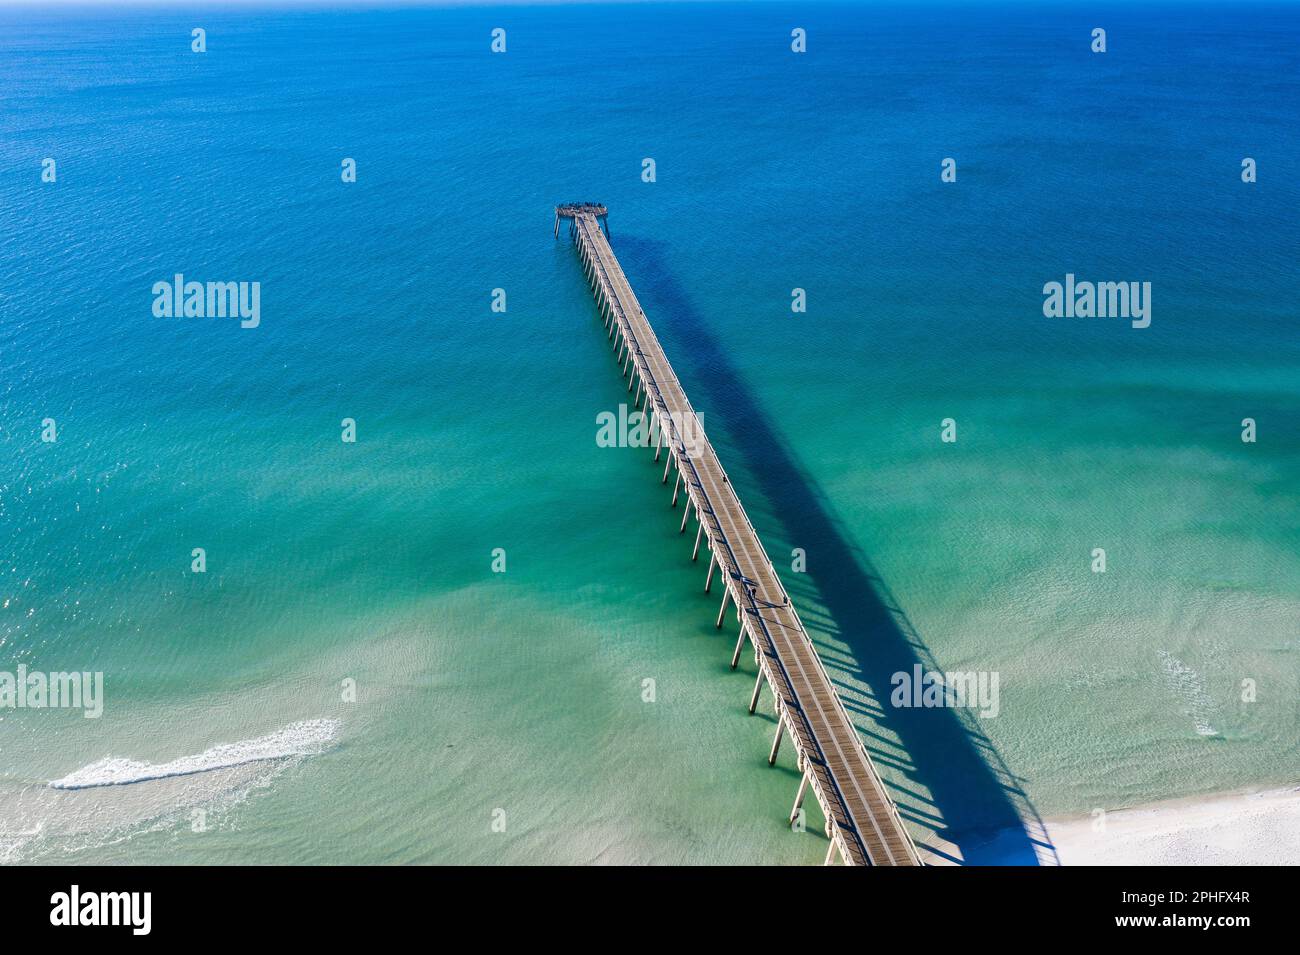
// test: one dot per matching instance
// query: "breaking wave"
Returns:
(304, 738)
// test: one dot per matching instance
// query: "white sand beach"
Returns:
(1260, 828)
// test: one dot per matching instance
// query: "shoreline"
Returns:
(1256, 827)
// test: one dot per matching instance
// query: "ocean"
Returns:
(350, 680)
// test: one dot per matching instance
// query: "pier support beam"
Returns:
(677, 486)
(830, 850)
(776, 743)
(740, 645)
(726, 595)
(686, 516)
(798, 799)
(758, 688)
(698, 534)
(713, 560)
(667, 465)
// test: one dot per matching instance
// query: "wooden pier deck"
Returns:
(863, 824)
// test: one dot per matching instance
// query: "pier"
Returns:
(862, 823)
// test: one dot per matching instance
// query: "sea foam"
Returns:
(304, 738)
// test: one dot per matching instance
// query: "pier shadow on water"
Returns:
(961, 801)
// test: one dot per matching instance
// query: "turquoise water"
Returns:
(523, 691)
